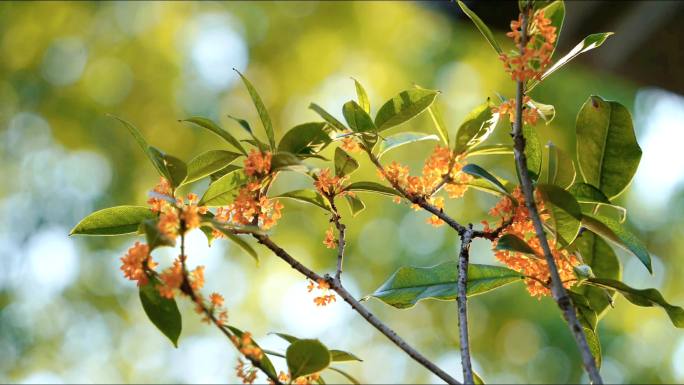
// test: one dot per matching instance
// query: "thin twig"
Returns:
(558, 291)
(341, 242)
(463, 257)
(336, 286)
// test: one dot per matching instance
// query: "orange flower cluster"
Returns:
(258, 163)
(330, 241)
(329, 185)
(350, 144)
(536, 55)
(246, 208)
(164, 188)
(530, 115)
(442, 166)
(324, 299)
(170, 216)
(247, 347)
(246, 374)
(171, 279)
(306, 380)
(132, 264)
(532, 266)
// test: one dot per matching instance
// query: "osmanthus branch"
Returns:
(341, 241)
(558, 291)
(464, 255)
(337, 287)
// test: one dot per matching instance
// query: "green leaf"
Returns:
(213, 127)
(208, 163)
(596, 253)
(560, 168)
(613, 231)
(287, 337)
(476, 127)
(340, 356)
(511, 242)
(344, 163)
(265, 362)
(479, 172)
(261, 109)
(372, 187)
(607, 148)
(590, 42)
(361, 94)
(306, 357)
(155, 156)
(225, 171)
(336, 124)
(594, 345)
(113, 221)
(357, 118)
(477, 380)
(307, 196)
(163, 312)
(494, 149)
(305, 139)
(533, 152)
(221, 192)
(153, 236)
(173, 169)
(545, 111)
(564, 210)
(486, 32)
(408, 285)
(485, 186)
(242, 244)
(587, 193)
(263, 147)
(400, 139)
(346, 375)
(285, 161)
(555, 12)
(356, 205)
(642, 297)
(585, 314)
(403, 107)
(436, 116)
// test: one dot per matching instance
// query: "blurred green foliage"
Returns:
(66, 314)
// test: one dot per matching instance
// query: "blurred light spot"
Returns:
(17, 53)
(52, 264)
(302, 316)
(636, 275)
(550, 365)
(462, 83)
(521, 340)
(135, 17)
(678, 361)
(64, 61)
(42, 378)
(611, 371)
(108, 81)
(418, 237)
(10, 100)
(85, 174)
(201, 360)
(371, 240)
(27, 132)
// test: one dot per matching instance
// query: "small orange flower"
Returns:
(434, 220)
(169, 223)
(216, 299)
(329, 185)
(350, 144)
(258, 163)
(171, 279)
(164, 188)
(533, 59)
(246, 375)
(197, 278)
(330, 241)
(530, 115)
(132, 263)
(324, 299)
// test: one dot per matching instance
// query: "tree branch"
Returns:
(341, 242)
(558, 291)
(336, 286)
(464, 255)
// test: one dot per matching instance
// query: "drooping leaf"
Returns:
(261, 109)
(213, 127)
(615, 232)
(479, 172)
(642, 297)
(590, 42)
(222, 191)
(511, 242)
(400, 139)
(403, 107)
(306, 196)
(336, 124)
(305, 139)
(361, 94)
(163, 312)
(373, 187)
(564, 211)
(560, 167)
(265, 362)
(486, 32)
(153, 236)
(356, 205)
(408, 285)
(307, 356)
(476, 127)
(357, 118)
(596, 253)
(208, 163)
(607, 148)
(494, 149)
(155, 156)
(344, 163)
(113, 221)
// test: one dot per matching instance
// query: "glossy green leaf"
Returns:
(113, 221)
(560, 167)
(346, 375)
(403, 107)
(344, 163)
(486, 32)
(222, 191)
(400, 139)
(479, 172)
(615, 232)
(584, 192)
(476, 127)
(175, 170)
(372, 187)
(361, 94)
(306, 196)
(590, 42)
(440, 126)
(225, 171)
(265, 362)
(208, 163)
(261, 109)
(336, 124)
(596, 253)
(357, 118)
(564, 211)
(555, 12)
(356, 205)
(155, 156)
(494, 149)
(153, 236)
(213, 127)
(305, 139)
(607, 148)
(485, 186)
(511, 242)
(533, 151)
(408, 285)
(163, 312)
(307, 356)
(642, 297)
(477, 380)
(263, 147)
(336, 355)
(285, 161)
(594, 345)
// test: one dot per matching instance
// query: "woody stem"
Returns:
(464, 255)
(559, 293)
(341, 242)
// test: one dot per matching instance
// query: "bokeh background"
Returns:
(68, 315)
